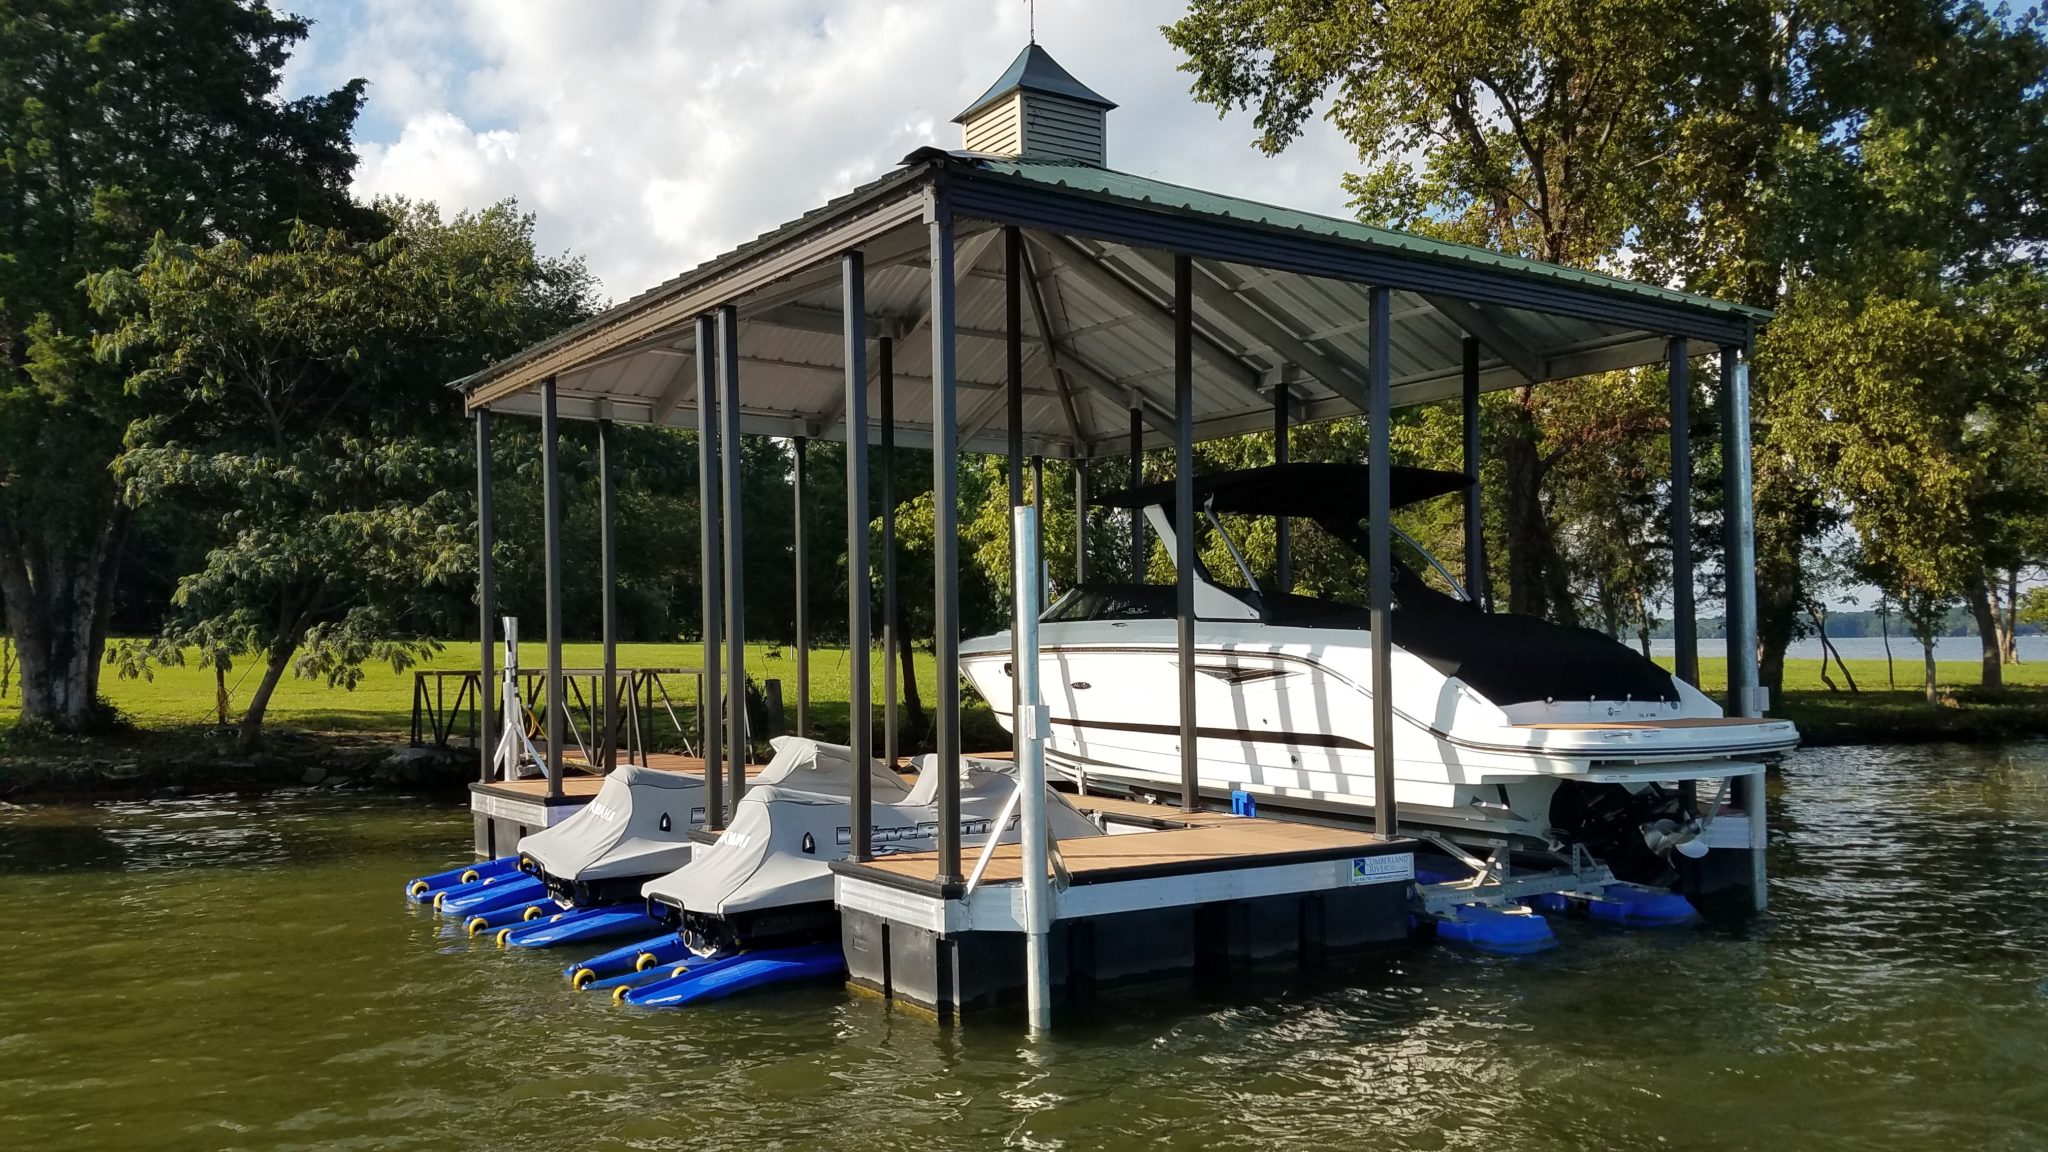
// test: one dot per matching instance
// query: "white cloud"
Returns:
(650, 136)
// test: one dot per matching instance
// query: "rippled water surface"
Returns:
(223, 973)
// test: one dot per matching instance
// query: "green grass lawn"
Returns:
(382, 703)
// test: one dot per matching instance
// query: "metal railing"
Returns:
(444, 704)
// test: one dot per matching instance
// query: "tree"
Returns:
(301, 396)
(120, 120)
(1521, 125)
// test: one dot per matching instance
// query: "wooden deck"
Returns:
(1233, 841)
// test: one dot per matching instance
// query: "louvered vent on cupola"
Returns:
(1038, 110)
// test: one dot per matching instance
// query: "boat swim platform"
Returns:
(1168, 895)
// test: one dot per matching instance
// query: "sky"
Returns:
(647, 137)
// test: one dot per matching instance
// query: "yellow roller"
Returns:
(438, 897)
(477, 924)
(503, 934)
(645, 961)
(619, 994)
(582, 977)
(418, 886)
(469, 876)
(532, 913)
(678, 970)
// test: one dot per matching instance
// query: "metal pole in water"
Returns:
(1032, 729)
(1744, 695)
(945, 541)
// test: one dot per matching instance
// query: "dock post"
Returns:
(486, 602)
(1185, 520)
(1137, 477)
(945, 540)
(735, 575)
(1038, 501)
(803, 594)
(1283, 540)
(892, 631)
(859, 642)
(1475, 524)
(1739, 518)
(608, 598)
(1380, 549)
(551, 543)
(709, 698)
(1032, 728)
(1685, 640)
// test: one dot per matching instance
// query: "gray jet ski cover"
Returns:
(780, 846)
(638, 825)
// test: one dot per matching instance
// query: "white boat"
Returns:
(1509, 730)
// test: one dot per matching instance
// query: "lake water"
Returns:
(1906, 650)
(243, 974)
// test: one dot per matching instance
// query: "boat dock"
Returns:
(1167, 895)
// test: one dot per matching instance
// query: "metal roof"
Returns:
(1280, 301)
(1034, 70)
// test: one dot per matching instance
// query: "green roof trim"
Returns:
(1142, 190)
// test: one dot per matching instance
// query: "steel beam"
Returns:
(859, 641)
(711, 700)
(1137, 477)
(1476, 322)
(1080, 468)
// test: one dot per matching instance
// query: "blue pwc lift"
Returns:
(423, 889)
(695, 983)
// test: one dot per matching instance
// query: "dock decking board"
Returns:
(1235, 839)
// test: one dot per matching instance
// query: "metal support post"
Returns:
(1032, 729)
(859, 642)
(945, 542)
(1283, 542)
(608, 598)
(1380, 549)
(892, 630)
(551, 543)
(710, 700)
(803, 597)
(486, 601)
(735, 568)
(1185, 518)
(1475, 524)
(1684, 623)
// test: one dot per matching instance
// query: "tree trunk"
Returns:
(1979, 593)
(1536, 576)
(913, 704)
(2012, 616)
(54, 589)
(1643, 623)
(1884, 624)
(1927, 687)
(251, 733)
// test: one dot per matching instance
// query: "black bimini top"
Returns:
(1333, 492)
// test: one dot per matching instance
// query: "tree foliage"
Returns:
(120, 120)
(301, 396)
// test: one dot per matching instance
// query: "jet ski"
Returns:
(638, 826)
(767, 881)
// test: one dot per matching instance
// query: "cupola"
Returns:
(1037, 110)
